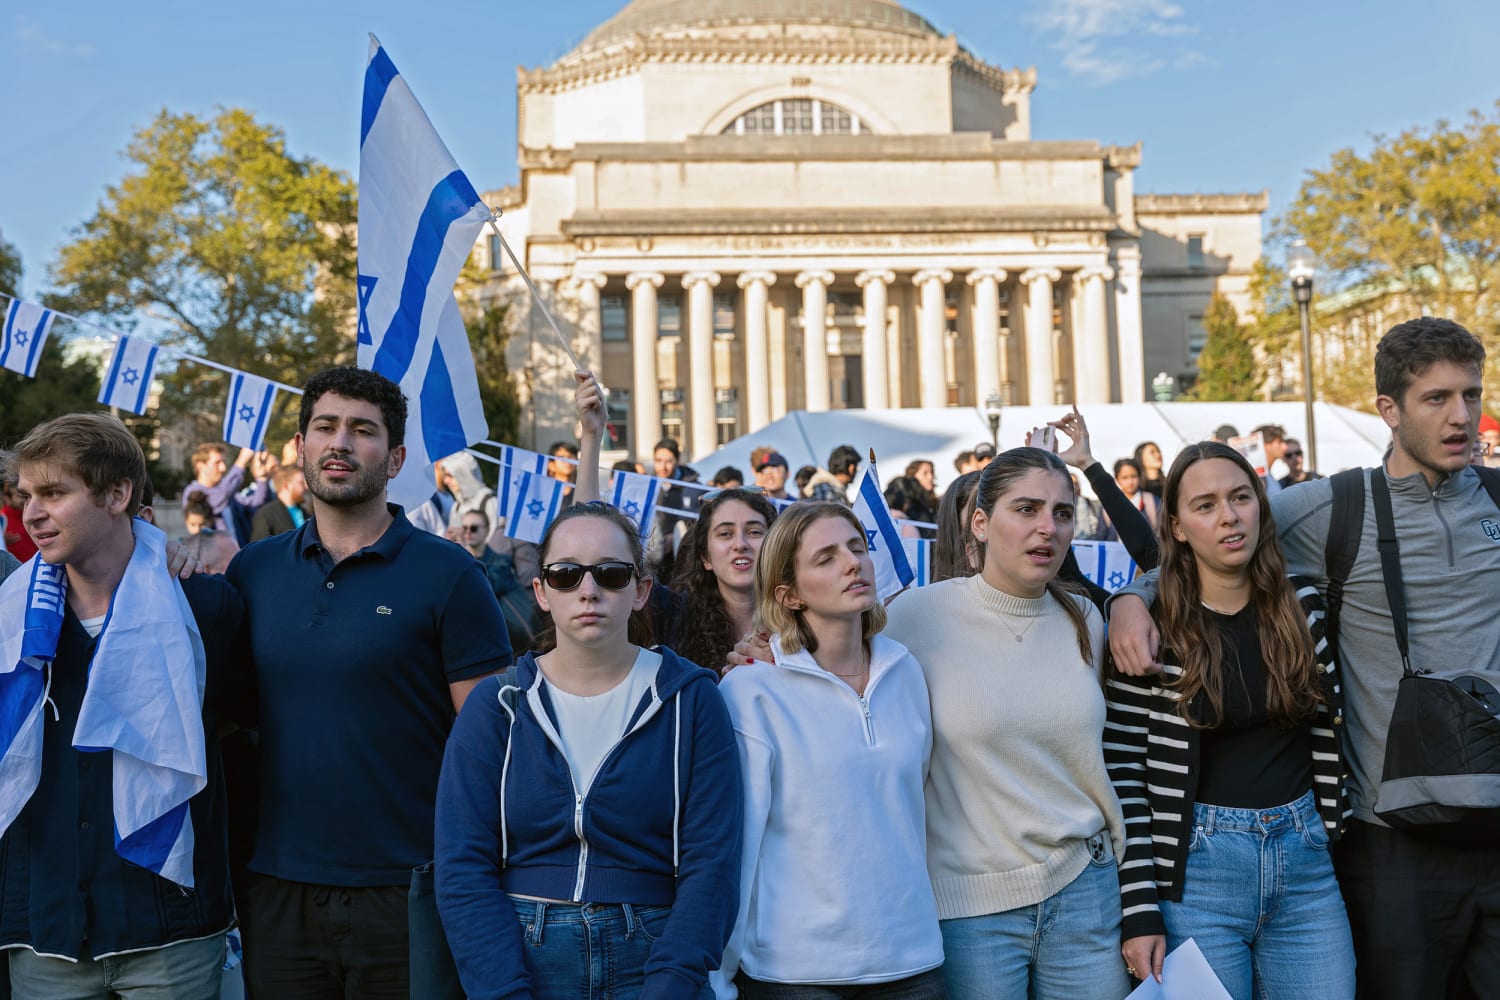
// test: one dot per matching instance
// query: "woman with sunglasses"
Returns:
(711, 602)
(589, 811)
(1227, 761)
(834, 738)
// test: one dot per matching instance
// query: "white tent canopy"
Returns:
(1346, 437)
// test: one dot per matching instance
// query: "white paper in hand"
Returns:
(1185, 975)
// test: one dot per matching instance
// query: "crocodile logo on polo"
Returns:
(382, 610)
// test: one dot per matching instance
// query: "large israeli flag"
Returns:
(418, 219)
(26, 327)
(248, 412)
(893, 572)
(127, 383)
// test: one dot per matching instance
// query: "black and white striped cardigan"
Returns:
(1152, 756)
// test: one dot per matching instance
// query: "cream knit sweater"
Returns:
(1017, 781)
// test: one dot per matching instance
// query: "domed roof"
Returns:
(648, 17)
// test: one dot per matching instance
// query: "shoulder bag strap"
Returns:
(1346, 523)
(1390, 562)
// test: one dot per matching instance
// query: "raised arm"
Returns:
(589, 398)
(1130, 524)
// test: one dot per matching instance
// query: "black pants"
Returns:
(1425, 914)
(922, 986)
(319, 942)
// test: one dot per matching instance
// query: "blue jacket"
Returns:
(661, 825)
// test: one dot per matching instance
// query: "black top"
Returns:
(1130, 524)
(1247, 761)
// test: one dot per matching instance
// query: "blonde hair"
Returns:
(777, 567)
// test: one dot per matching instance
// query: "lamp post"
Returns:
(1163, 386)
(992, 414)
(1301, 265)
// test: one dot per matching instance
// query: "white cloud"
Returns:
(31, 34)
(1101, 40)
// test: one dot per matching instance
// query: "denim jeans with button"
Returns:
(584, 952)
(1261, 901)
(1067, 947)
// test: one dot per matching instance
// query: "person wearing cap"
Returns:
(984, 454)
(771, 473)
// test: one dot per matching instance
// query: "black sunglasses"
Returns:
(612, 575)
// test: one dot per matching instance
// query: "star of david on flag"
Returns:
(418, 219)
(26, 327)
(248, 412)
(636, 495)
(893, 572)
(127, 381)
(1105, 563)
(515, 463)
(537, 501)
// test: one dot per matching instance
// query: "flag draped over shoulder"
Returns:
(418, 219)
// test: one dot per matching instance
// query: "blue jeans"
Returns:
(1067, 947)
(188, 970)
(590, 951)
(1260, 899)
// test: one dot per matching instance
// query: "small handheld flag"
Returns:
(26, 327)
(249, 410)
(127, 383)
(893, 572)
(636, 495)
(536, 504)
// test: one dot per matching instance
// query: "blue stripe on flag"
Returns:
(20, 690)
(378, 77)
(235, 382)
(146, 376)
(152, 844)
(449, 201)
(36, 340)
(1100, 577)
(442, 426)
(887, 528)
(265, 413)
(121, 346)
(10, 323)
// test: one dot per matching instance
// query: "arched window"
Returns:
(797, 116)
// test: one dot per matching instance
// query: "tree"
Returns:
(489, 335)
(242, 252)
(1416, 221)
(1228, 370)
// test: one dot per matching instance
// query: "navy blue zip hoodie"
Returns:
(661, 825)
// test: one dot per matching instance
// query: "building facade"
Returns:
(739, 208)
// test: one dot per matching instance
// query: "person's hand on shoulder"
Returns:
(751, 647)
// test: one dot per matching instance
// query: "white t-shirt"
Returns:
(590, 725)
(93, 626)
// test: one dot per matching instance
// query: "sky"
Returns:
(1225, 95)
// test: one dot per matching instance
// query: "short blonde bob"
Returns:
(777, 566)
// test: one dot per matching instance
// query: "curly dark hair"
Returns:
(709, 635)
(357, 383)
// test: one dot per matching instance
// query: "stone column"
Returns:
(756, 285)
(814, 285)
(590, 330)
(1041, 379)
(930, 330)
(1091, 351)
(645, 389)
(873, 360)
(1132, 349)
(700, 287)
(986, 284)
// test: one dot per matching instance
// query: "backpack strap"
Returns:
(1490, 478)
(1390, 563)
(1346, 524)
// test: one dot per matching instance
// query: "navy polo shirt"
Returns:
(352, 663)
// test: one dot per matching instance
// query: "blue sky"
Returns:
(1225, 95)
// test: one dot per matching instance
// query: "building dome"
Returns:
(670, 17)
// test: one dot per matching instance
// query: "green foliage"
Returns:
(10, 268)
(1415, 220)
(1227, 369)
(241, 251)
(62, 385)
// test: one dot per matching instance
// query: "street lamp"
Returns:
(1301, 265)
(992, 414)
(1163, 387)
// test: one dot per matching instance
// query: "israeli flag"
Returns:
(26, 327)
(893, 572)
(635, 495)
(127, 384)
(537, 502)
(418, 219)
(1105, 563)
(515, 463)
(249, 410)
(919, 555)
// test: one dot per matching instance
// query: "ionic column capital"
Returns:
(748, 278)
(806, 278)
(584, 280)
(941, 275)
(864, 278)
(652, 278)
(1031, 274)
(709, 278)
(995, 274)
(1101, 271)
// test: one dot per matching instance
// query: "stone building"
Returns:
(738, 208)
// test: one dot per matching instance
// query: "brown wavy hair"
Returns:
(709, 635)
(955, 539)
(1286, 646)
(777, 566)
(995, 481)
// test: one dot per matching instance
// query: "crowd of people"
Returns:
(407, 756)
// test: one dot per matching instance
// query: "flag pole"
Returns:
(534, 293)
